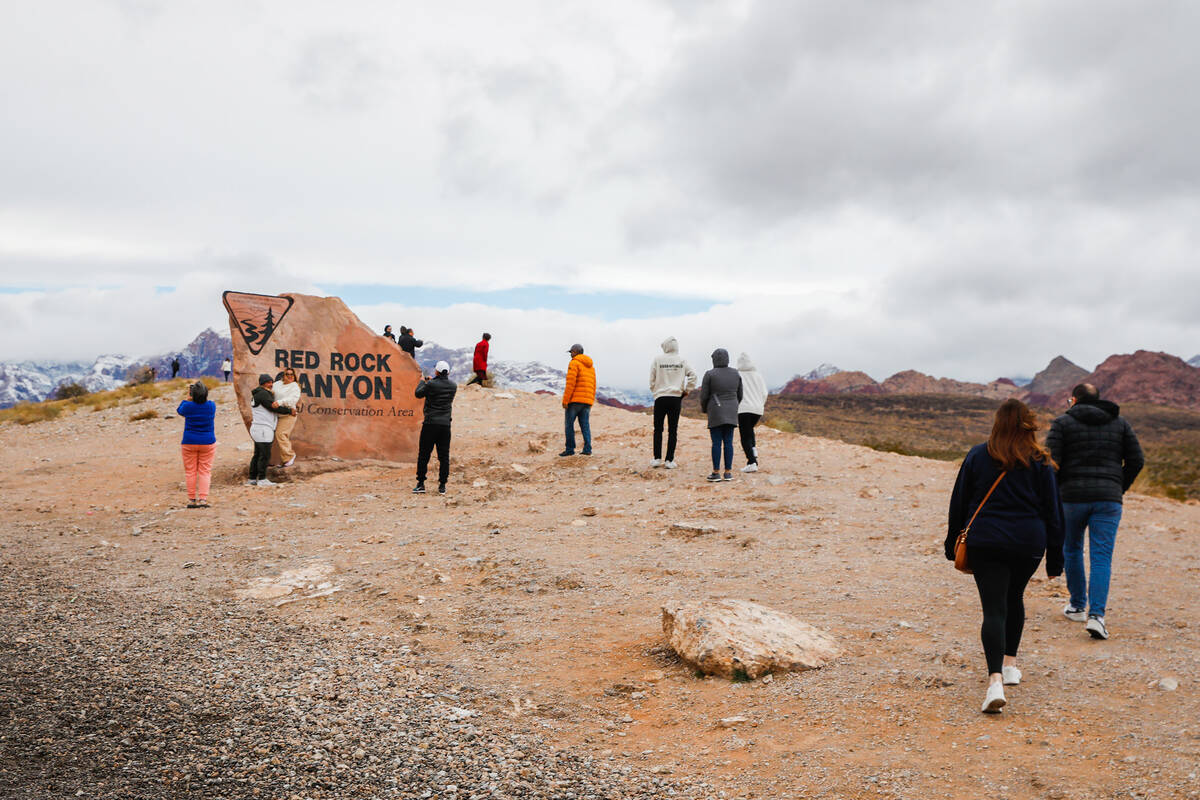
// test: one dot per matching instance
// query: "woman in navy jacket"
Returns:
(1019, 523)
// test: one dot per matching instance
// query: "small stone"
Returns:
(729, 722)
(536, 447)
(1168, 684)
(520, 469)
(579, 523)
(480, 483)
(589, 511)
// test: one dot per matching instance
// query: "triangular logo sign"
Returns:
(256, 315)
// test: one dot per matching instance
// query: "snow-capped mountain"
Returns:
(821, 372)
(818, 373)
(28, 380)
(525, 376)
(1194, 361)
(31, 381)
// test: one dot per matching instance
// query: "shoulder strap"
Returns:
(985, 499)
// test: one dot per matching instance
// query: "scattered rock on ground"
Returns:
(740, 639)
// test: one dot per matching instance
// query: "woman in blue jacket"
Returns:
(1020, 522)
(199, 443)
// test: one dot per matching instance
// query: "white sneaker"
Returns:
(994, 701)
(1012, 675)
(265, 482)
(670, 465)
(1074, 614)
(750, 468)
(656, 463)
(1097, 628)
(289, 462)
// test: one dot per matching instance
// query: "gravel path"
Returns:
(104, 694)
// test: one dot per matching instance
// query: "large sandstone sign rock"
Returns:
(356, 387)
(740, 639)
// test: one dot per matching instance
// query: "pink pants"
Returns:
(197, 465)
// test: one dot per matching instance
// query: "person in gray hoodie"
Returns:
(671, 378)
(750, 410)
(720, 393)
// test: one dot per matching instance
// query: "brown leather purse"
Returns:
(960, 544)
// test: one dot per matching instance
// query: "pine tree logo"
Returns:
(256, 316)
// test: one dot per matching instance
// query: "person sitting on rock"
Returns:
(264, 411)
(387, 333)
(438, 391)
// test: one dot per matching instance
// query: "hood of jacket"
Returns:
(744, 363)
(670, 345)
(1100, 412)
(584, 358)
(720, 357)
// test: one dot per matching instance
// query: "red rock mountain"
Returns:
(912, 382)
(1144, 377)
(838, 383)
(1059, 376)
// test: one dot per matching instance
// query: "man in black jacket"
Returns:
(1098, 457)
(438, 392)
(409, 343)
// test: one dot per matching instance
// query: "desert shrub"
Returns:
(149, 413)
(779, 424)
(69, 391)
(210, 382)
(29, 413)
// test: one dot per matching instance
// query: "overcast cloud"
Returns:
(967, 189)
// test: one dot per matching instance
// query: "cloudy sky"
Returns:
(967, 189)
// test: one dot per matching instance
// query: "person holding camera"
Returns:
(438, 391)
(199, 444)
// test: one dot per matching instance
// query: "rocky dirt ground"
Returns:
(337, 636)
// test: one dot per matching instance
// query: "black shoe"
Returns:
(587, 452)
(419, 488)
(441, 488)
(566, 453)
(714, 477)
(728, 476)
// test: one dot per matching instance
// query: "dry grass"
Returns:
(149, 413)
(131, 394)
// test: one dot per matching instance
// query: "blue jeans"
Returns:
(1100, 520)
(722, 436)
(579, 411)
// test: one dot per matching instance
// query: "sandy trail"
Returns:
(539, 588)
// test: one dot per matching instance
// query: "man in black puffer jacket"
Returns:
(438, 392)
(1098, 457)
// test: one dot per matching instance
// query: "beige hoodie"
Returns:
(670, 373)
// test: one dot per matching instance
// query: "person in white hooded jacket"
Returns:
(671, 378)
(750, 410)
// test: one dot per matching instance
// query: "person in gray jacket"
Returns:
(720, 393)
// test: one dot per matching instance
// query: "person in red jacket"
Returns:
(480, 362)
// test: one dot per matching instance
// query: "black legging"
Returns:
(666, 408)
(1001, 577)
(746, 423)
(259, 461)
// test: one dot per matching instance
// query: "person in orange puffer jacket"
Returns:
(578, 398)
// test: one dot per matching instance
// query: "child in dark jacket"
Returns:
(1019, 523)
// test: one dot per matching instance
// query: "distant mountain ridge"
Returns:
(1144, 376)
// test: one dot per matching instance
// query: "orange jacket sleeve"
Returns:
(572, 376)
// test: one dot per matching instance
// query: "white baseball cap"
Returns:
(441, 366)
